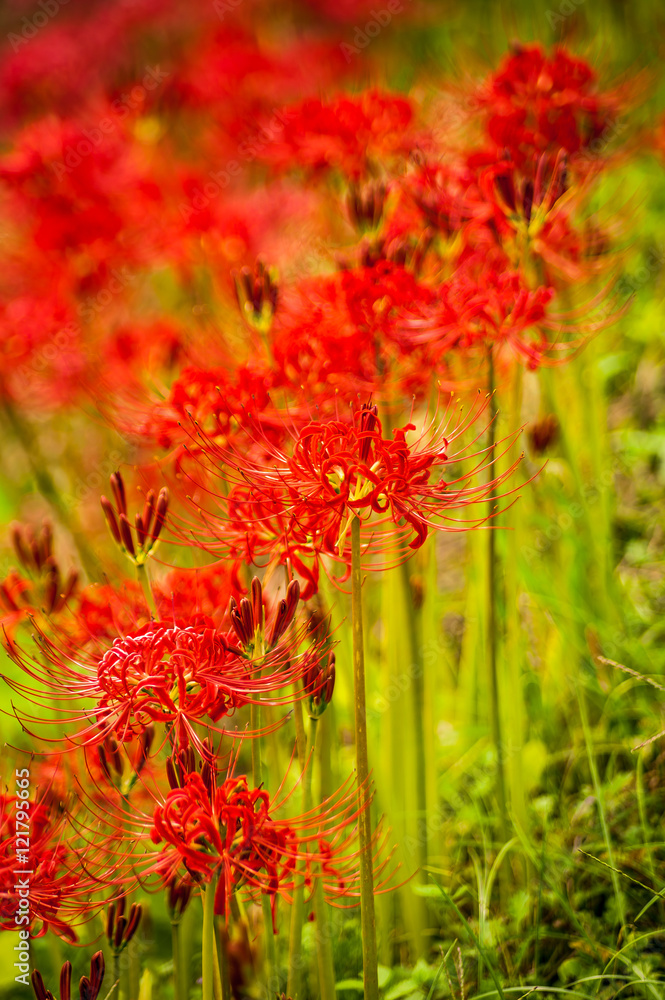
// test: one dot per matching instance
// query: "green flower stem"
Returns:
(492, 625)
(294, 983)
(301, 738)
(116, 971)
(254, 725)
(271, 948)
(257, 779)
(418, 718)
(144, 580)
(367, 918)
(321, 909)
(224, 964)
(208, 940)
(217, 987)
(178, 993)
(134, 971)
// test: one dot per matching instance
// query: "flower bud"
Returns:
(319, 683)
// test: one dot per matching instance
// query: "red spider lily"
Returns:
(227, 830)
(39, 864)
(176, 674)
(543, 104)
(448, 196)
(43, 352)
(230, 834)
(300, 506)
(86, 202)
(479, 308)
(104, 612)
(346, 331)
(347, 133)
(537, 217)
(217, 399)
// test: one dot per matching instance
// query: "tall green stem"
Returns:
(257, 778)
(301, 738)
(144, 580)
(418, 718)
(217, 988)
(208, 941)
(224, 964)
(492, 627)
(177, 964)
(271, 947)
(294, 983)
(255, 725)
(321, 910)
(134, 971)
(367, 918)
(116, 972)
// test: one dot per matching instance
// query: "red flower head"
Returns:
(346, 133)
(229, 835)
(539, 104)
(479, 308)
(35, 859)
(300, 506)
(230, 832)
(172, 673)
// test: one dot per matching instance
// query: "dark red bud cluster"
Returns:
(542, 433)
(533, 192)
(256, 292)
(403, 251)
(121, 927)
(89, 988)
(184, 761)
(147, 525)
(365, 205)
(32, 550)
(179, 893)
(318, 623)
(35, 554)
(319, 683)
(113, 762)
(248, 616)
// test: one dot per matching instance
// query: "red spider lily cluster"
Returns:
(285, 291)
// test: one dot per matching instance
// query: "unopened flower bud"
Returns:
(319, 683)
(284, 614)
(118, 487)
